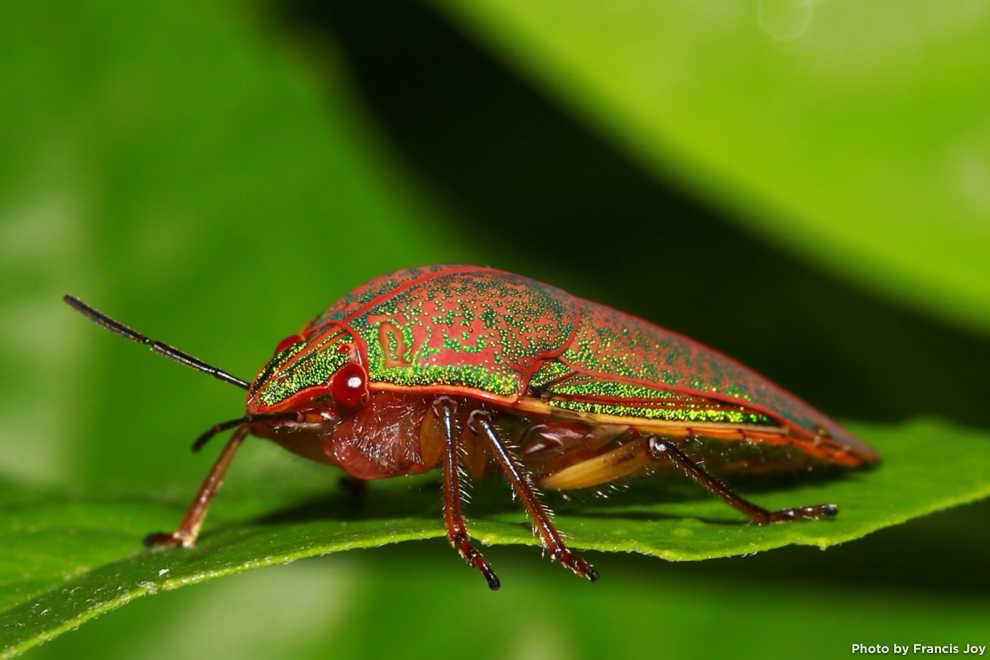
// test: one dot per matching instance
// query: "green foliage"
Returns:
(96, 539)
(215, 176)
(854, 133)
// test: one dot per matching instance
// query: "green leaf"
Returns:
(64, 560)
(218, 211)
(856, 133)
(213, 174)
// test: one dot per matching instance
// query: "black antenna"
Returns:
(157, 346)
(247, 419)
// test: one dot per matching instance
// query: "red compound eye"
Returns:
(288, 341)
(350, 386)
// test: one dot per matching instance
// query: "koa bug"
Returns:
(473, 370)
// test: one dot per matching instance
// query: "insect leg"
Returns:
(663, 449)
(452, 472)
(522, 483)
(188, 530)
(356, 488)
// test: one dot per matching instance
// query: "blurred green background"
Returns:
(805, 186)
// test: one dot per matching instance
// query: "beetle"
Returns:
(474, 370)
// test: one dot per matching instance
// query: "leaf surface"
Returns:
(854, 133)
(66, 560)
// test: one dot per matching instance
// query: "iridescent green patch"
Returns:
(302, 365)
(463, 329)
(608, 397)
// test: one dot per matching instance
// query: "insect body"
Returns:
(473, 370)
